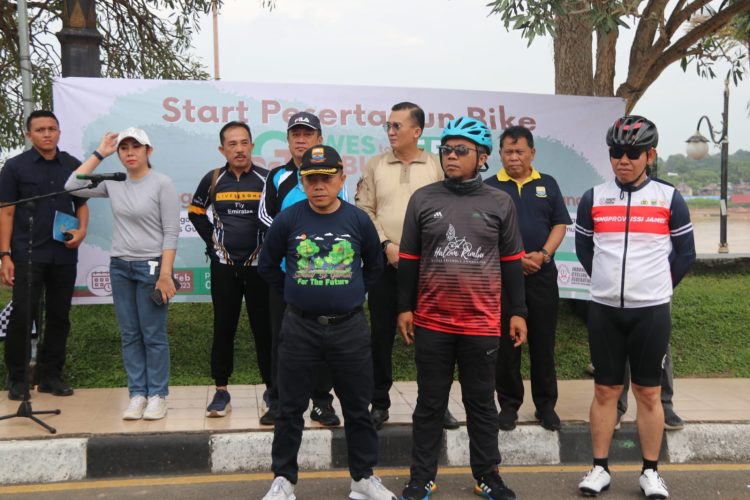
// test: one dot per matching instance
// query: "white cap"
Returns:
(134, 133)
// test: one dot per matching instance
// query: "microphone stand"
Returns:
(24, 409)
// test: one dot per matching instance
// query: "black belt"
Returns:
(325, 319)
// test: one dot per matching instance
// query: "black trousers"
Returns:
(381, 300)
(58, 281)
(436, 355)
(322, 381)
(229, 284)
(542, 300)
(345, 348)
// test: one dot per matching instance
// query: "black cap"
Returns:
(321, 160)
(304, 119)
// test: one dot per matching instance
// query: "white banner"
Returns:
(183, 119)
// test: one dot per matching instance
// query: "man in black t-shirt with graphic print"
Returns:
(460, 240)
(333, 256)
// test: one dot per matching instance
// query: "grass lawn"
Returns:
(711, 318)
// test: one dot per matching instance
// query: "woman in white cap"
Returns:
(145, 224)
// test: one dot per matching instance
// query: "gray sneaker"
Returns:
(281, 489)
(672, 422)
(370, 488)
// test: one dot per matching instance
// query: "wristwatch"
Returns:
(547, 256)
(385, 244)
(3, 254)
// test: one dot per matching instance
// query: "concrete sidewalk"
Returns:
(93, 441)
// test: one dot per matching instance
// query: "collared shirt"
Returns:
(27, 175)
(386, 185)
(539, 203)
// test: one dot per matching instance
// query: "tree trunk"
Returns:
(573, 40)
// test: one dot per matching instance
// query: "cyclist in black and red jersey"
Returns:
(460, 237)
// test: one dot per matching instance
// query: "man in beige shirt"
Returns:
(388, 181)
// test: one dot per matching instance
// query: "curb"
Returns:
(97, 457)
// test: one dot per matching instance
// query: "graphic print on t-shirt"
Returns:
(324, 260)
(458, 249)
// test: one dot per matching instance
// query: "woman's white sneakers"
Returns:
(135, 408)
(156, 408)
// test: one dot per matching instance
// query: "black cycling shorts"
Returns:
(640, 335)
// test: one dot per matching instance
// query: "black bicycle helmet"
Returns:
(633, 131)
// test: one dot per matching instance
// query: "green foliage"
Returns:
(141, 39)
(666, 32)
(539, 18)
(700, 173)
(710, 317)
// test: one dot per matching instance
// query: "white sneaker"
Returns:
(370, 488)
(596, 481)
(281, 489)
(135, 408)
(652, 485)
(156, 409)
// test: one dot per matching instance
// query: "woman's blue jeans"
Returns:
(143, 326)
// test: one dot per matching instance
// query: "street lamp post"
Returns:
(697, 147)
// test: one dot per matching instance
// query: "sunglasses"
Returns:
(632, 154)
(396, 126)
(460, 150)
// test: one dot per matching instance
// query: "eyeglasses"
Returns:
(396, 126)
(632, 154)
(460, 150)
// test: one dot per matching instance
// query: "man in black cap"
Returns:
(333, 256)
(283, 189)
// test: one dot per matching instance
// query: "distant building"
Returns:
(684, 189)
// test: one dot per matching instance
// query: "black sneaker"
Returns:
(325, 414)
(269, 417)
(379, 417)
(548, 419)
(55, 386)
(507, 419)
(418, 490)
(449, 421)
(219, 405)
(16, 391)
(492, 486)
(672, 421)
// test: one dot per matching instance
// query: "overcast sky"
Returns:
(449, 44)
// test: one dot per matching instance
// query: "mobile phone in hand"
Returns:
(156, 294)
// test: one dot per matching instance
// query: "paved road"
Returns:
(686, 482)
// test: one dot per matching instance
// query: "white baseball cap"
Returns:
(134, 133)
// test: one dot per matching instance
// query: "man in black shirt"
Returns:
(41, 170)
(232, 242)
(333, 256)
(460, 242)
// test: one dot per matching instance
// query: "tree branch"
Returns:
(640, 76)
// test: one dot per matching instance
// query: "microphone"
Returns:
(114, 176)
